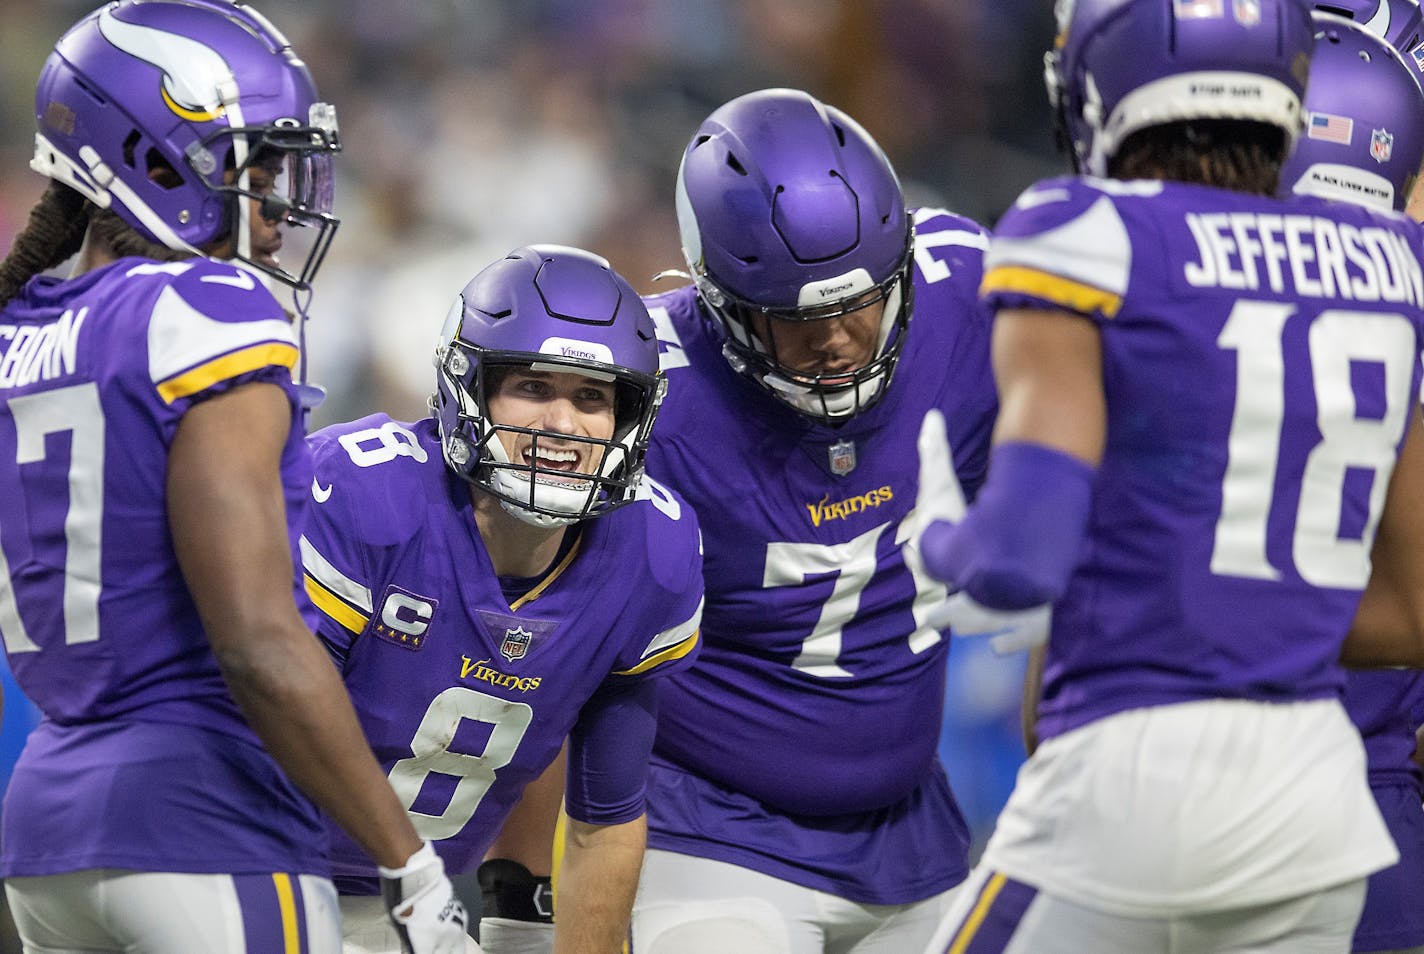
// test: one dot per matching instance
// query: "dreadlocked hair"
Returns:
(1236, 154)
(125, 241)
(54, 232)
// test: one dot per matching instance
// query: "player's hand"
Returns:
(423, 907)
(938, 507)
(1008, 631)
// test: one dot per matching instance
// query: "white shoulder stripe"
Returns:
(333, 579)
(181, 337)
(675, 635)
(1092, 248)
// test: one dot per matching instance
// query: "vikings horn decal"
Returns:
(193, 74)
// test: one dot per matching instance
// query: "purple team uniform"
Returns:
(1384, 704)
(142, 760)
(465, 693)
(1259, 361)
(802, 744)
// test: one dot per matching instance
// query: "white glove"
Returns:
(1008, 631)
(423, 907)
(940, 498)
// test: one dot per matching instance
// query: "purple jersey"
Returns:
(1260, 360)
(143, 760)
(464, 697)
(803, 742)
(1381, 703)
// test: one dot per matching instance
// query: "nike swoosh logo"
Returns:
(1040, 197)
(319, 493)
(239, 280)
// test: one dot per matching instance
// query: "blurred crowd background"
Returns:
(471, 127)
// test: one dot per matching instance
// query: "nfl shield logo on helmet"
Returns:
(1381, 145)
(842, 457)
(515, 643)
(1248, 12)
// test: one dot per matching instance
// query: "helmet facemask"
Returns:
(286, 170)
(543, 496)
(829, 397)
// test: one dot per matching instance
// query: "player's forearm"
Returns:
(294, 700)
(597, 882)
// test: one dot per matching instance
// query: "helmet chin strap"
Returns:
(839, 403)
(514, 486)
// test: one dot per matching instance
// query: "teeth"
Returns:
(557, 456)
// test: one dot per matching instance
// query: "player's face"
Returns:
(266, 235)
(558, 401)
(1415, 206)
(825, 346)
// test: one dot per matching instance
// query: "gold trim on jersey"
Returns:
(334, 593)
(672, 652)
(228, 366)
(1075, 296)
(672, 643)
(331, 605)
(544, 584)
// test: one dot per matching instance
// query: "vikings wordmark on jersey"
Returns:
(465, 696)
(820, 671)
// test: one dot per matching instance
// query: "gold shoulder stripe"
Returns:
(228, 366)
(333, 607)
(1072, 295)
(672, 652)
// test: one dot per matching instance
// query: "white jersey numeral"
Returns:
(377, 445)
(855, 563)
(476, 773)
(1339, 341)
(76, 411)
(671, 354)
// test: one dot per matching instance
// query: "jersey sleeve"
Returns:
(214, 326)
(609, 749)
(335, 563)
(666, 636)
(1062, 245)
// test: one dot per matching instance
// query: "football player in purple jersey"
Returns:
(796, 803)
(1208, 431)
(1361, 77)
(500, 577)
(152, 474)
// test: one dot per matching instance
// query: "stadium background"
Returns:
(473, 126)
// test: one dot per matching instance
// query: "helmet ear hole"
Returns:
(160, 172)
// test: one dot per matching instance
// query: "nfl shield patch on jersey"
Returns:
(842, 457)
(515, 643)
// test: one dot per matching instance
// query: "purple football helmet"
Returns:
(206, 88)
(1364, 122)
(554, 309)
(1398, 21)
(1119, 66)
(790, 211)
